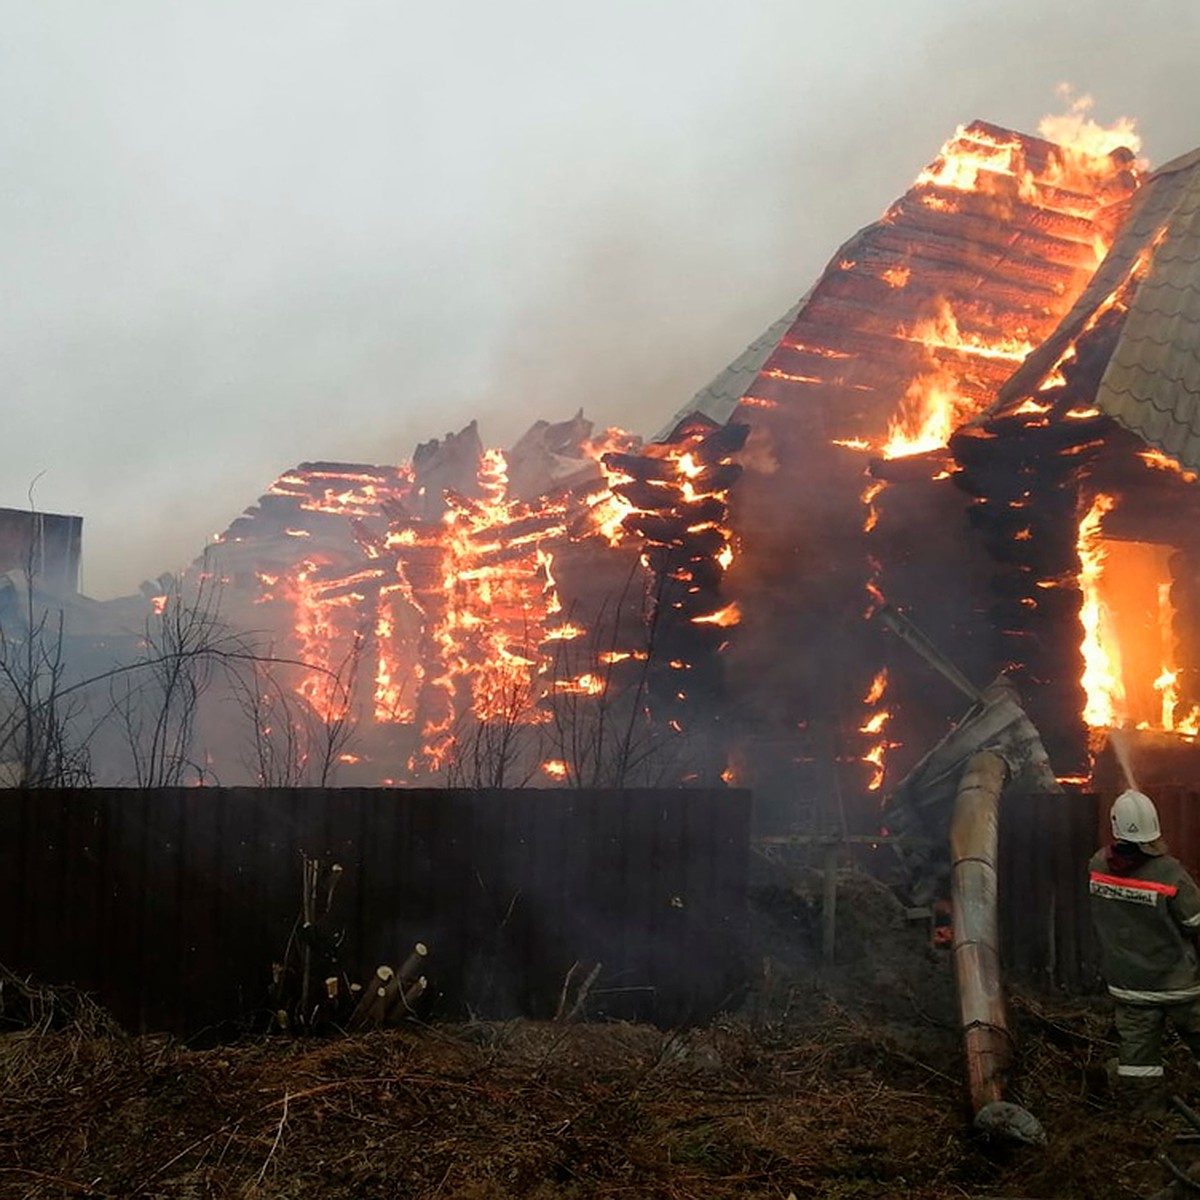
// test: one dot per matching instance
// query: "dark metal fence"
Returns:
(1045, 844)
(171, 905)
(1046, 936)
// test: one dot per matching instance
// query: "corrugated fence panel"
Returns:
(171, 905)
(1046, 936)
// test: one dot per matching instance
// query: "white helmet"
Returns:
(1134, 818)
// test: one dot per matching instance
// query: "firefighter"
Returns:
(1146, 910)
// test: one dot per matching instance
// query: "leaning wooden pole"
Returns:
(974, 838)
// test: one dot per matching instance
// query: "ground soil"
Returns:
(840, 1083)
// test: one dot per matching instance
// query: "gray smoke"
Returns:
(238, 236)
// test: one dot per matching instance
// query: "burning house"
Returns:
(553, 613)
(1082, 476)
(852, 496)
(973, 416)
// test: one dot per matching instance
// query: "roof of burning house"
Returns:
(971, 242)
(718, 398)
(1151, 383)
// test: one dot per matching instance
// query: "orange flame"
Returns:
(874, 725)
(1102, 683)
(1085, 144)
(1158, 461)
(731, 614)
(942, 332)
(927, 416)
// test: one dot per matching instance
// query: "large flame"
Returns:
(1131, 674)
(1105, 694)
(941, 332)
(458, 612)
(929, 413)
(963, 341)
(1086, 144)
(978, 160)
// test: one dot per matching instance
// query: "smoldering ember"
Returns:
(680, 812)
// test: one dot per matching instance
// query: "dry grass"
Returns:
(846, 1085)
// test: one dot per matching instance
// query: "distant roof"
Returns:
(1151, 384)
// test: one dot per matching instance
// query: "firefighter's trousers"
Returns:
(1140, 1030)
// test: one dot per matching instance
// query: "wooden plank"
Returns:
(640, 902)
(381, 884)
(580, 934)
(460, 843)
(84, 853)
(528, 917)
(1086, 956)
(1067, 874)
(344, 849)
(676, 954)
(123, 949)
(14, 871)
(550, 950)
(275, 880)
(732, 882)
(162, 981)
(41, 885)
(205, 981)
(240, 924)
(1019, 867)
(427, 902)
(1045, 818)
(1185, 838)
(603, 818)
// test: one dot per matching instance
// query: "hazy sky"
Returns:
(237, 234)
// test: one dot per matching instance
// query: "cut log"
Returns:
(378, 997)
(413, 963)
(414, 992)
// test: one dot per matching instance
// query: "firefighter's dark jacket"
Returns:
(1146, 909)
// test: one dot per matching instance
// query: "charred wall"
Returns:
(936, 571)
(1032, 478)
(910, 332)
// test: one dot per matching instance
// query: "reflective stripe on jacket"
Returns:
(1146, 920)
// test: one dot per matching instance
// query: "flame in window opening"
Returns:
(1102, 685)
(1131, 672)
